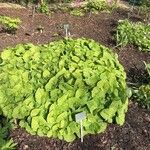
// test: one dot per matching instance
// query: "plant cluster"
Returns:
(77, 12)
(10, 24)
(43, 8)
(96, 6)
(133, 33)
(144, 9)
(5, 144)
(142, 94)
(45, 86)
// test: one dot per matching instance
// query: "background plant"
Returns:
(45, 86)
(43, 8)
(142, 93)
(77, 12)
(5, 144)
(99, 5)
(144, 10)
(10, 24)
(133, 33)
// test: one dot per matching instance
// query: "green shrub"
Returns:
(10, 24)
(133, 33)
(45, 86)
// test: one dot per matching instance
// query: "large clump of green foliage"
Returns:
(10, 24)
(5, 144)
(133, 33)
(45, 86)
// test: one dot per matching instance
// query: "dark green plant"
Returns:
(144, 11)
(45, 86)
(10, 24)
(5, 144)
(96, 6)
(133, 33)
(142, 94)
(44, 9)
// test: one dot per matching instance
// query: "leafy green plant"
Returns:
(5, 144)
(96, 6)
(77, 12)
(10, 24)
(142, 93)
(133, 33)
(45, 86)
(144, 10)
(44, 9)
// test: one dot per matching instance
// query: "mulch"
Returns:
(135, 133)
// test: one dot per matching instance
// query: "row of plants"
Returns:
(133, 33)
(45, 86)
(137, 34)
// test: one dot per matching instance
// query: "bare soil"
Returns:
(135, 133)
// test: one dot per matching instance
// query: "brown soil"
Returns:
(135, 133)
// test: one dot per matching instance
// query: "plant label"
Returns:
(79, 118)
(66, 27)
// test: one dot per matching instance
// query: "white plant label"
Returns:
(79, 118)
(66, 27)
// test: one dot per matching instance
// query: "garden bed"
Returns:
(135, 133)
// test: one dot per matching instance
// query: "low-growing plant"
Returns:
(45, 86)
(77, 12)
(142, 93)
(96, 6)
(133, 33)
(43, 8)
(144, 11)
(5, 144)
(10, 24)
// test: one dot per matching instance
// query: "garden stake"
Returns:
(81, 131)
(66, 27)
(79, 118)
